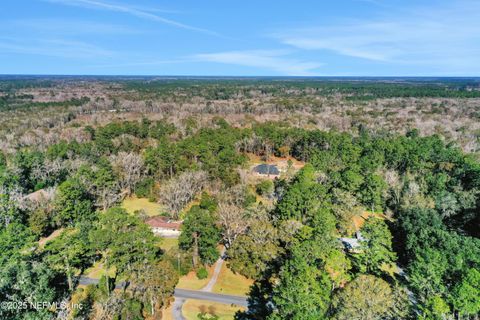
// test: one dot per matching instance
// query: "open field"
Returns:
(192, 308)
(96, 271)
(169, 243)
(231, 283)
(135, 204)
(190, 281)
(359, 220)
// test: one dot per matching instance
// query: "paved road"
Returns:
(183, 294)
(87, 281)
(177, 309)
(215, 297)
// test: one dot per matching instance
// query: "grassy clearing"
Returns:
(231, 283)
(133, 204)
(192, 308)
(359, 220)
(169, 243)
(43, 241)
(96, 271)
(190, 281)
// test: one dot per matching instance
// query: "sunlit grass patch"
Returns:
(192, 308)
(97, 271)
(191, 282)
(231, 283)
(134, 204)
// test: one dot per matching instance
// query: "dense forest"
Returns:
(68, 160)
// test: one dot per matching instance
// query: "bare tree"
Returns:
(49, 170)
(10, 202)
(233, 220)
(179, 191)
(130, 168)
(108, 309)
(108, 195)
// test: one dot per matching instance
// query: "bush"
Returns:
(208, 202)
(143, 189)
(250, 198)
(202, 273)
(265, 188)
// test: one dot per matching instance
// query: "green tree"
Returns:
(72, 203)
(9, 210)
(265, 188)
(302, 198)
(124, 242)
(435, 308)
(426, 273)
(200, 234)
(39, 221)
(466, 294)
(302, 292)
(3, 160)
(372, 192)
(68, 254)
(252, 252)
(24, 277)
(376, 248)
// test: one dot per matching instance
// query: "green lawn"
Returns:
(191, 282)
(134, 204)
(96, 271)
(231, 283)
(192, 308)
(169, 243)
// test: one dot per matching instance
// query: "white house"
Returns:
(164, 226)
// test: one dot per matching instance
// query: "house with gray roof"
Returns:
(267, 169)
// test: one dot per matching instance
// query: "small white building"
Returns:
(353, 245)
(164, 226)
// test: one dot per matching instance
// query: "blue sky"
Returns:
(245, 38)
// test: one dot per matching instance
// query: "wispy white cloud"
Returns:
(133, 11)
(274, 60)
(445, 37)
(146, 63)
(54, 48)
(66, 26)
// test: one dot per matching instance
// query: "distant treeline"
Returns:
(353, 90)
(25, 101)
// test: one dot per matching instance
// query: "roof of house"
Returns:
(266, 169)
(163, 222)
(352, 243)
(37, 196)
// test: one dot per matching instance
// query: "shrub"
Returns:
(143, 189)
(265, 188)
(202, 273)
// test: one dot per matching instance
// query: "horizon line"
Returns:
(234, 76)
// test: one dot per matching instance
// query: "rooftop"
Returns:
(38, 195)
(163, 222)
(267, 169)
